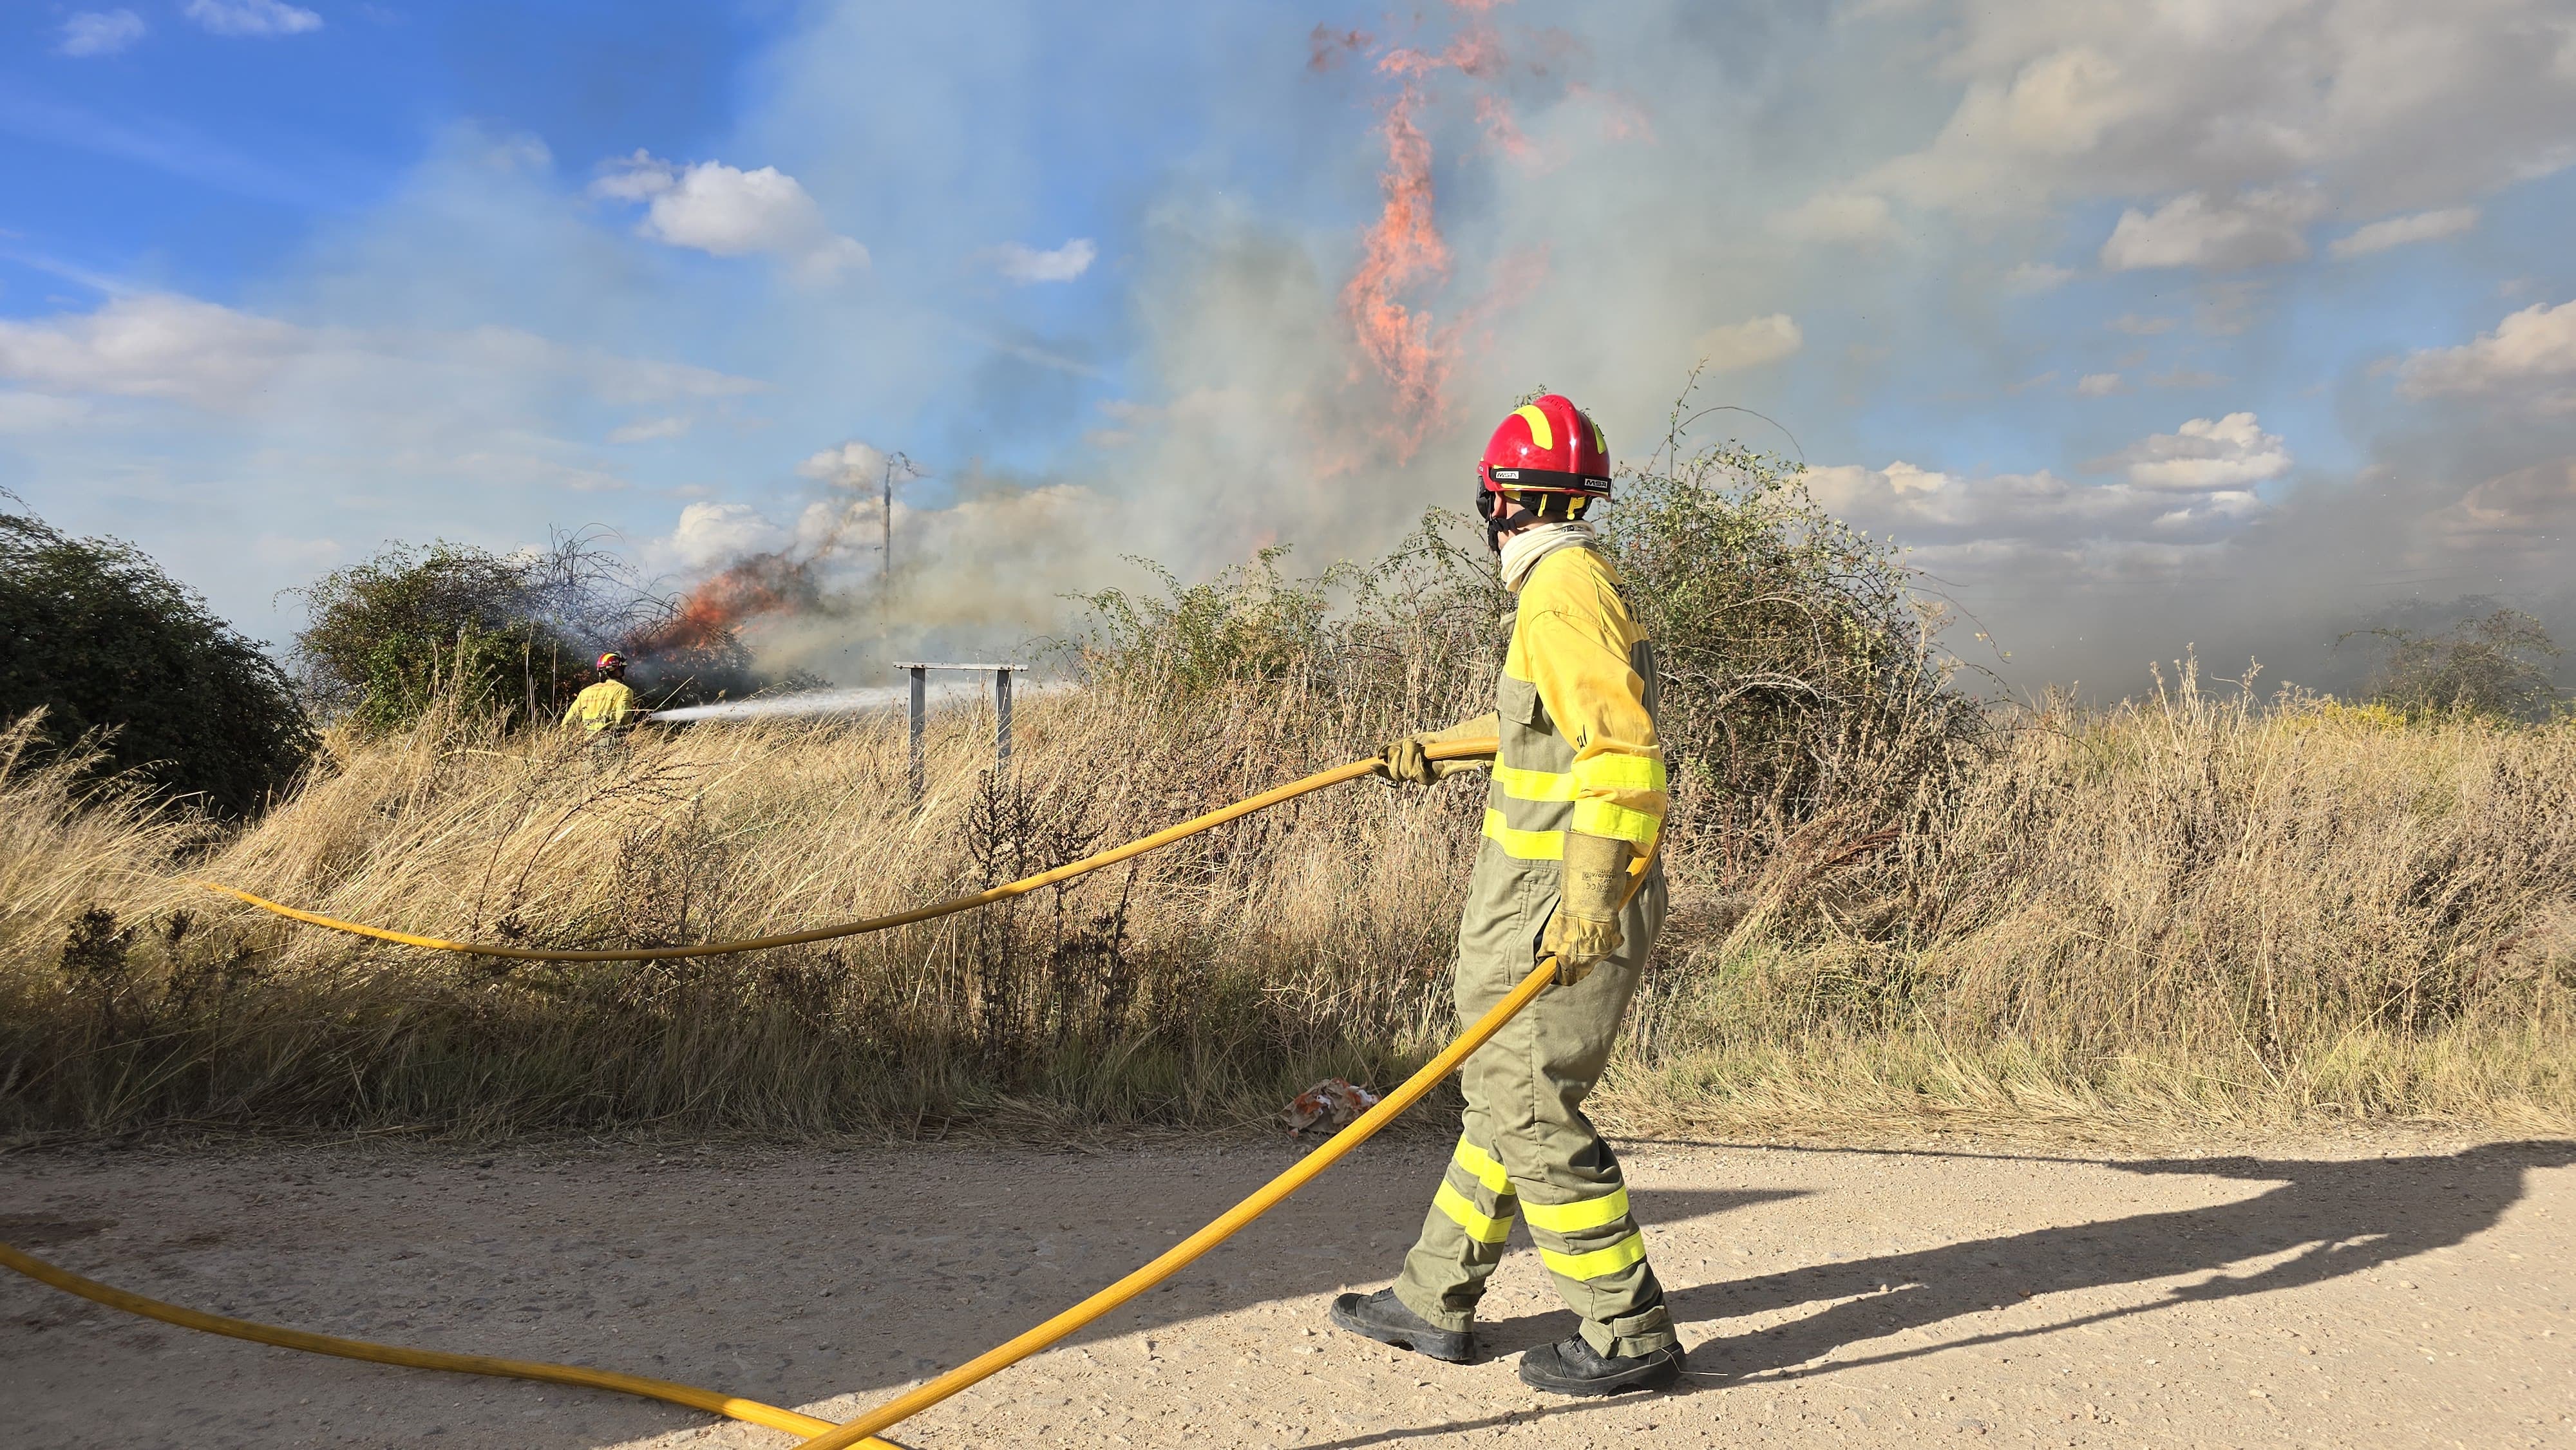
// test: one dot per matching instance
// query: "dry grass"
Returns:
(2189, 912)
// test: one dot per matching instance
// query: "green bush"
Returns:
(390, 635)
(1801, 672)
(96, 636)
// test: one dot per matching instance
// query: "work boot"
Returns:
(1571, 1367)
(1382, 1317)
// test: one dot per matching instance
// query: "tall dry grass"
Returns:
(1200, 984)
(2182, 911)
(2185, 911)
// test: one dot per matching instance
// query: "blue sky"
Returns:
(2229, 325)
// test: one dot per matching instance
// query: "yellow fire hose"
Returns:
(517, 1369)
(1446, 750)
(822, 1434)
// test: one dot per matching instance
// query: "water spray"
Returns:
(851, 701)
(809, 702)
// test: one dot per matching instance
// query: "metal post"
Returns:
(920, 709)
(1002, 722)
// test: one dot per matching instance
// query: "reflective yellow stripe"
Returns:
(1534, 785)
(1574, 1218)
(1480, 1228)
(1527, 845)
(1481, 1166)
(1598, 1264)
(1613, 771)
(1540, 433)
(1602, 818)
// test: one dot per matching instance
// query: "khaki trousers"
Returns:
(1528, 1151)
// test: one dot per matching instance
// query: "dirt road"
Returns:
(2366, 1292)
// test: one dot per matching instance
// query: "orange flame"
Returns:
(707, 616)
(1403, 249)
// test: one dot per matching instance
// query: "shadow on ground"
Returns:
(2328, 1217)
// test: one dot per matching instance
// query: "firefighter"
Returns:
(1571, 817)
(608, 705)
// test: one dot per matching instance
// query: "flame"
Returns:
(1403, 249)
(707, 617)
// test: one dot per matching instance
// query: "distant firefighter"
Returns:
(608, 705)
(1577, 800)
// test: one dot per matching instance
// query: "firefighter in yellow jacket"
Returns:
(1571, 819)
(607, 706)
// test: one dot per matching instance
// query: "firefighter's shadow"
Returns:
(2323, 1219)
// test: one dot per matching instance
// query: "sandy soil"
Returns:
(2368, 1292)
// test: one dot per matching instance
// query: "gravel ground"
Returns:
(2367, 1291)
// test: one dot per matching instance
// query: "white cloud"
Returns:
(1024, 264)
(2258, 227)
(2178, 494)
(2389, 104)
(100, 32)
(2097, 385)
(2531, 353)
(2398, 231)
(728, 212)
(151, 346)
(1837, 217)
(1750, 343)
(852, 465)
(184, 350)
(2525, 505)
(709, 534)
(251, 17)
(2136, 326)
(2204, 456)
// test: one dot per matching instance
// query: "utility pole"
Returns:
(885, 542)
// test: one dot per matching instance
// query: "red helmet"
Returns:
(1548, 454)
(611, 660)
(1549, 446)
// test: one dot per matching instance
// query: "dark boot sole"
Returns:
(1445, 1345)
(1662, 1374)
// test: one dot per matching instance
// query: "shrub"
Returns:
(1801, 673)
(390, 635)
(2500, 665)
(101, 640)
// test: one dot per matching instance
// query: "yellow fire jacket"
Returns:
(1576, 707)
(608, 705)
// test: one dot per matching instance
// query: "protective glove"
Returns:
(1408, 761)
(1585, 928)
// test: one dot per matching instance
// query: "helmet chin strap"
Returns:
(1497, 522)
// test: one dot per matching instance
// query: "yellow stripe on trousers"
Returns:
(1574, 1218)
(1479, 1227)
(1482, 1167)
(1598, 1264)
